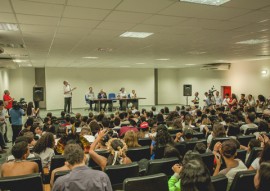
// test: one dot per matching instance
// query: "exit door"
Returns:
(226, 90)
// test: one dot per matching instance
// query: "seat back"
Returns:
(251, 131)
(159, 152)
(215, 140)
(136, 154)
(199, 135)
(241, 154)
(174, 131)
(57, 161)
(150, 183)
(145, 141)
(118, 173)
(39, 163)
(219, 182)
(253, 155)
(60, 173)
(243, 180)
(244, 140)
(31, 182)
(161, 166)
(191, 144)
(93, 164)
(208, 160)
(181, 147)
(111, 96)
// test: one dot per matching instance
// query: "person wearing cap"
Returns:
(144, 130)
(122, 94)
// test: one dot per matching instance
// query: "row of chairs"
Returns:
(243, 181)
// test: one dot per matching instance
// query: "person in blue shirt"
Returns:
(16, 114)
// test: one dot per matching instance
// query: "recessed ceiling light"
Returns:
(190, 64)
(265, 20)
(264, 71)
(140, 63)
(124, 66)
(8, 27)
(263, 30)
(19, 61)
(253, 41)
(136, 34)
(25, 65)
(207, 2)
(90, 57)
(163, 59)
(197, 52)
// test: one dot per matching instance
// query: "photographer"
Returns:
(16, 113)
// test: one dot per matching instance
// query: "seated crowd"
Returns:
(82, 139)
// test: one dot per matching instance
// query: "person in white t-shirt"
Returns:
(228, 150)
(122, 94)
(67, 95)
(90, 96)
(218, 99)
(250, 118)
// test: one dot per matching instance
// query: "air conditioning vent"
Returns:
(216, 66)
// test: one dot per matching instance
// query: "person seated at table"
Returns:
(102, 95)
(122, 94)
(90, 96)
(19, 166)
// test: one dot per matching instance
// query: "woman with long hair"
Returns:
(262, 178)
(117, 149)
(45, 148)
(131, 139)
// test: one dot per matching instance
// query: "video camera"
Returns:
(211, 91)
(22, 104)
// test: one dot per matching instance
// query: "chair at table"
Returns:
(112, 97)
(31, 182)
(156, 182)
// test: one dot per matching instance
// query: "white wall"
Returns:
(4, 81)
(21, 82)
(111, 80)
(168, 86)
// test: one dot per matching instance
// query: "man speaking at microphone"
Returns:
(67, 96)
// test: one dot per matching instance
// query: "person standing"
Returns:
(16, 114)
(196, 100)
(3, 124)
(90, 96)
(8, 105)
(67, 96)
(122, 95)
(218, 99)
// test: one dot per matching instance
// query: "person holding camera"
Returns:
(16, 113)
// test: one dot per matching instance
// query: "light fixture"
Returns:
(253, 41)
(136, 34)
(25, 65)
(19, 61)
(208, 2)
(265, 20)
(190, 64)
(163, 59)
(264, 72)
(8, 27)
(263, 30)
(90, 57)
(140, 63)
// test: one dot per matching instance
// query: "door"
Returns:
(226, 90)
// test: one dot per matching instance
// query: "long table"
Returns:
(126, 101)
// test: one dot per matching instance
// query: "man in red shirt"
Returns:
(8, 105)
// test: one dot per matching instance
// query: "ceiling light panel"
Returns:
(8, 27)
(207, 2)
(253, 41)
(136, 34)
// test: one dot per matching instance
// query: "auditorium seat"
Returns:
(118, 173)
(244, 139)
(219, 182)
(136, 154)
(215, 140)
(156, 182)
(253, 155)
(159, 152)
(57, 161)
(174, 131)
(243, 181)
(181, 147)
(31, 182)
(60, 173)
(199, 135)
(208, 160)
(241, 154)
(144, 141)
(93, 164)
(161, 166)
(251, 131)
(191, 144)
(39, 163)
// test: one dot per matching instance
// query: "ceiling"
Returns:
(59, 33)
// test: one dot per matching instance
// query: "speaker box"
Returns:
(38, 93)
(187, 90)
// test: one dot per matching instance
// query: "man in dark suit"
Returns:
(102, 95)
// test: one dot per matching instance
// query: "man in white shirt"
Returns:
(122, 94)
(67, 96)
(196, 100)
(225, 101)
(218, 99)
(250, 122)
(90, 96)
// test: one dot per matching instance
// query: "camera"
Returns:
(20, 105)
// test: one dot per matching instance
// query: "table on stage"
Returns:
(126, 101)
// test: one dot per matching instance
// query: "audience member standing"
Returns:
(8, 105)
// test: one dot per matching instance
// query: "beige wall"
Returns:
(111, 80)
(4, 80)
